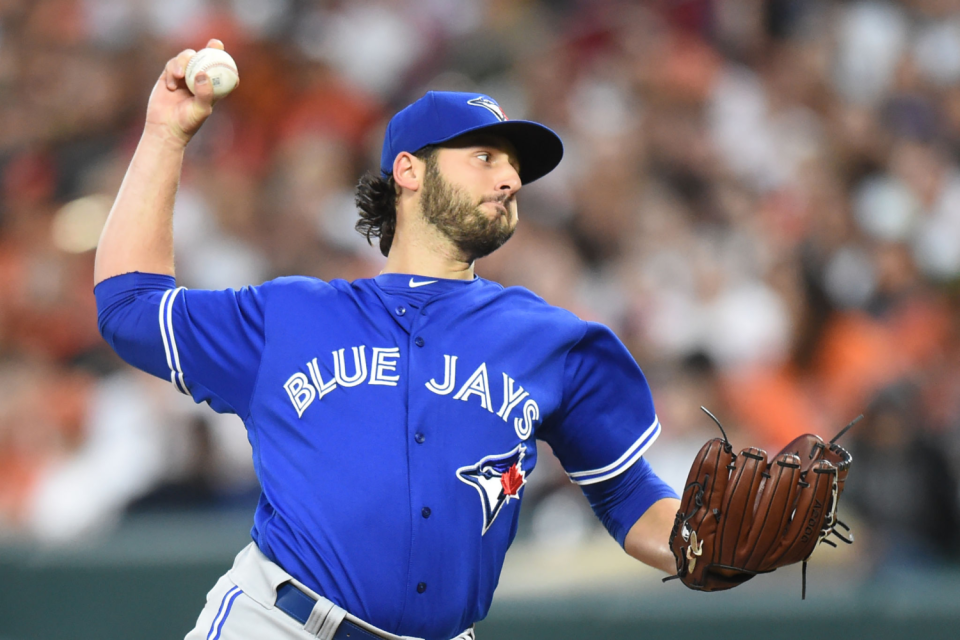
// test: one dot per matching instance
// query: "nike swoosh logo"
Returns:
(414, 285)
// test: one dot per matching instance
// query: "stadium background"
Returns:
(761, 197)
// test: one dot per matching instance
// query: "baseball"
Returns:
(220, 68)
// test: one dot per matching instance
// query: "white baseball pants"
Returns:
(241, 607)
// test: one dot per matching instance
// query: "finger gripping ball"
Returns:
(219, 67)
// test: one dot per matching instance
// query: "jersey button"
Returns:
(419, 437)
(421, 587)
(419, 342)
(425, 512)
(401, 310)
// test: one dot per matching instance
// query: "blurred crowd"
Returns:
(762, 198)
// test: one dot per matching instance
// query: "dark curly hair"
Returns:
(377, 201)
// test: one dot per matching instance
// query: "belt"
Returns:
(298, 605)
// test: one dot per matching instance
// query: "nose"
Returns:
(509, 180)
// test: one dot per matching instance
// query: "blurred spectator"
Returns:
(905, 488)
(89, 485)
(36, 434)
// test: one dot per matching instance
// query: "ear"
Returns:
(408, 171)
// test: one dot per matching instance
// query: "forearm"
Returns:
(138, 235)
(649, 539)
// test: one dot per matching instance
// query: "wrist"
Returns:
(164, 136)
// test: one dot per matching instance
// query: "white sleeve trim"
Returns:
(170, 341)
(622, 463)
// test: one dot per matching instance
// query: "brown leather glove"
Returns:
(741, 515)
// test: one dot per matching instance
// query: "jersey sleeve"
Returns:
(606, 420)
(208, 344)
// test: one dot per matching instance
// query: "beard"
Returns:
(460, 219)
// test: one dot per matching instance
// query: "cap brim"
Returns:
(539, 149)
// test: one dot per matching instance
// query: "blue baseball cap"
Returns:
(441, 116)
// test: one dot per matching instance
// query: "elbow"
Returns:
(109, 321)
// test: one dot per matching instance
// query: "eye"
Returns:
(485, 156)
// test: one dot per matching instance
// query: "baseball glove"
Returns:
(741, 515)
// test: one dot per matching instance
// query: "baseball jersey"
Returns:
(394, 422)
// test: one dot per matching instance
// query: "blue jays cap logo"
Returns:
(489, 105)
(497, 479)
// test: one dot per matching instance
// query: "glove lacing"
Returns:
(832, 521)
(698, 498)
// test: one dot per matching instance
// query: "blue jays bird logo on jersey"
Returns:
(497, 479)
(489, 105)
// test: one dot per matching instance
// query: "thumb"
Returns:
(193, 112)
(203, 90)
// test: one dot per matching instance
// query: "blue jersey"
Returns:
(394, 422)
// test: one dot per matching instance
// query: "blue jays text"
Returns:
(383, 363)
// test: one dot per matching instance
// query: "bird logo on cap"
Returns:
(489, 105)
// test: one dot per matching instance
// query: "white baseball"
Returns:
(220, 69)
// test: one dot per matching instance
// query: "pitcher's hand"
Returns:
(173, 112)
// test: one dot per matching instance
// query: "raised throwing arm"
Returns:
(138, 235)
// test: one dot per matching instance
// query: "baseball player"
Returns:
(394, 420)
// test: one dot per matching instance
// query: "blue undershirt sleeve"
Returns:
(208, 344)
(620, 501)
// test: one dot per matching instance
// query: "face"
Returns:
(469, 194)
